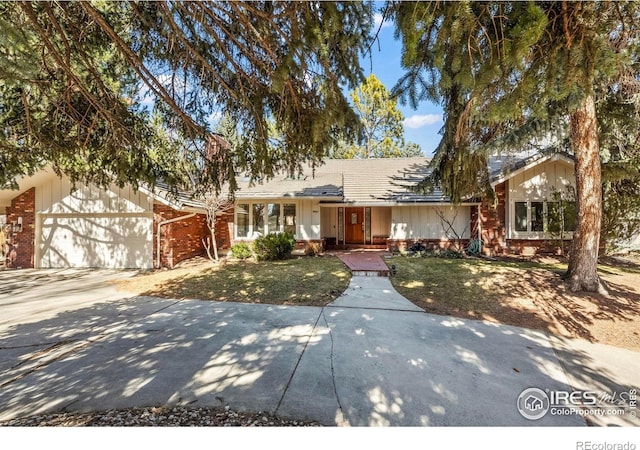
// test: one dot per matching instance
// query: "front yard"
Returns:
(512, 292)
(526, 294)
(314, 281)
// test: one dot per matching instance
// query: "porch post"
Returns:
(364, 225)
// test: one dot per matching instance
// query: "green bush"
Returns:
(274, 246)
(241, 250)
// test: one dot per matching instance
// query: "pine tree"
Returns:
(517, 74)
(77, 79)
(382, 128)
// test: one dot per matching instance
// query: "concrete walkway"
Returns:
(367, 359)
(373, 293)
(364, 262)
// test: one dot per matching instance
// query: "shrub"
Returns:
(312, 249)
(417, 247)
(274, 246)
(447, 253)
(241, 250)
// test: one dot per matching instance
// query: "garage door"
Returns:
(96, 240)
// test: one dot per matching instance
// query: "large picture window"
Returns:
(242, 220)
(521, 214)
(256, 219)
(561, 216)
(290, 218)
(273, 222)
(539, 217)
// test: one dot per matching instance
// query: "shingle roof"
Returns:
(325, 184)
(353, 180)
(382, 180)
(177, 200)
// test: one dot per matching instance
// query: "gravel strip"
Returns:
(161, 416)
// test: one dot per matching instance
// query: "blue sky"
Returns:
(420, 125)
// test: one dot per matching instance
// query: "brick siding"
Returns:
(22, 243)
(531, 247)
(493, 220)
(182, 239)
(433, 244)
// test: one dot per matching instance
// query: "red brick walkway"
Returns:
(363, 261)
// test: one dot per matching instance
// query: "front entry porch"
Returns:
(347, 227)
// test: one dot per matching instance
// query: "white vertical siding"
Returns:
(381, 221)
(92, 227)
(328, 221)
(539, 182)
(308, 219)
(423, 222)
(55, 197)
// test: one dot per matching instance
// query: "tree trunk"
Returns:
(215, 244)
(582, 273)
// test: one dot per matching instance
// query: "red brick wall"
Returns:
(531, 247)
(22, 244)
(493, 219)
(404, 244)
(224, 230)
(179, 240)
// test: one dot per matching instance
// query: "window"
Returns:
(273, 221)
(544, 217)
(242, 220)
(289, 218)
(258, 218)
(537, 216)
(521, 216)
(255, 219)
(561, 213)
(367, 225)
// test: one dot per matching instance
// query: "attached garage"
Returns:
(96, 240)
(92, 227)
(53, 224)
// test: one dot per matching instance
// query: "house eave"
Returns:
(358, 204)
(287, 196)
(548, 158)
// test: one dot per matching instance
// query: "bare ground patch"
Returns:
(527, 294)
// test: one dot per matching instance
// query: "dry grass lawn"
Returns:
(528, 294)
(314, 281)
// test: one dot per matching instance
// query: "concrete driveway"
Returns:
(369, 359)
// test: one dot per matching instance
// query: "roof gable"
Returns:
(502, 168)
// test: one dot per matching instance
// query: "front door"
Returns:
(354, 225)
